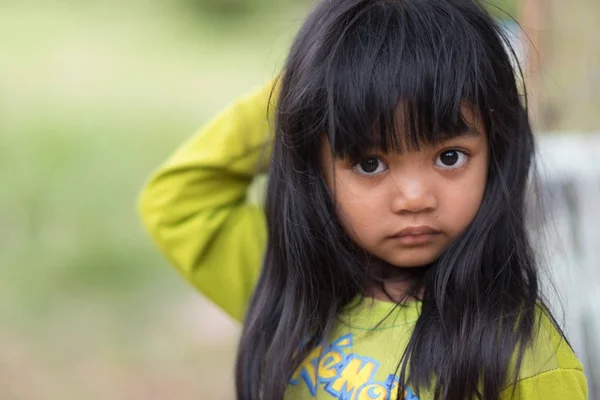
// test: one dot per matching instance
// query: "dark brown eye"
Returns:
(450, 159)
(370, 166)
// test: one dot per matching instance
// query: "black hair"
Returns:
(353, 65)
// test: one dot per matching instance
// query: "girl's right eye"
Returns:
(370, 166)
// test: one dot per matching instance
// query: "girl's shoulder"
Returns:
(549, 348)
(550, 368)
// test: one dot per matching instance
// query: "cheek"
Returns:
(357, 211)
(462, 203)
(465, 205)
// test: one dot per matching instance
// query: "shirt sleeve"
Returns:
(557, 384)
(195, 205)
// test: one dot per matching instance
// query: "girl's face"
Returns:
(408, 208)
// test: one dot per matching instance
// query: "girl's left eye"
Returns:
(451, 159)
(370, 166)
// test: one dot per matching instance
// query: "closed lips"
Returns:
(416, 231)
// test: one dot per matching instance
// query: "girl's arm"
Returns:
(195, 205)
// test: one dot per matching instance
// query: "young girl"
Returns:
(397, 262)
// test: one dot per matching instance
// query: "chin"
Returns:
(412, 260)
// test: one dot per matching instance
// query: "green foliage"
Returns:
(236, 8)
(503, 9)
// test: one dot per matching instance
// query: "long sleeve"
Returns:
(195, 205)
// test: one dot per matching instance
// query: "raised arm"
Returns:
(195, 205)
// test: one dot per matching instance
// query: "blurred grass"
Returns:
(95, 96)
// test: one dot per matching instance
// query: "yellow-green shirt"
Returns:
(201, 212)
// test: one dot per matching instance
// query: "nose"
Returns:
(413, 194)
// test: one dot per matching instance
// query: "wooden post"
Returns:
(531, 22)
(563, 63)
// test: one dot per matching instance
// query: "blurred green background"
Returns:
(95, 95)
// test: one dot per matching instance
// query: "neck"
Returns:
(395, 284)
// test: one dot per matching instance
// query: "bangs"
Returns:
(399, 77)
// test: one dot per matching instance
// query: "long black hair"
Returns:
(352, 65)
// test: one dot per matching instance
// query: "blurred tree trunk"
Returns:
(563, 63)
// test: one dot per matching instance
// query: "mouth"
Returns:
(415, 235)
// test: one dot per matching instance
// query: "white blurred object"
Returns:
(570, 175)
